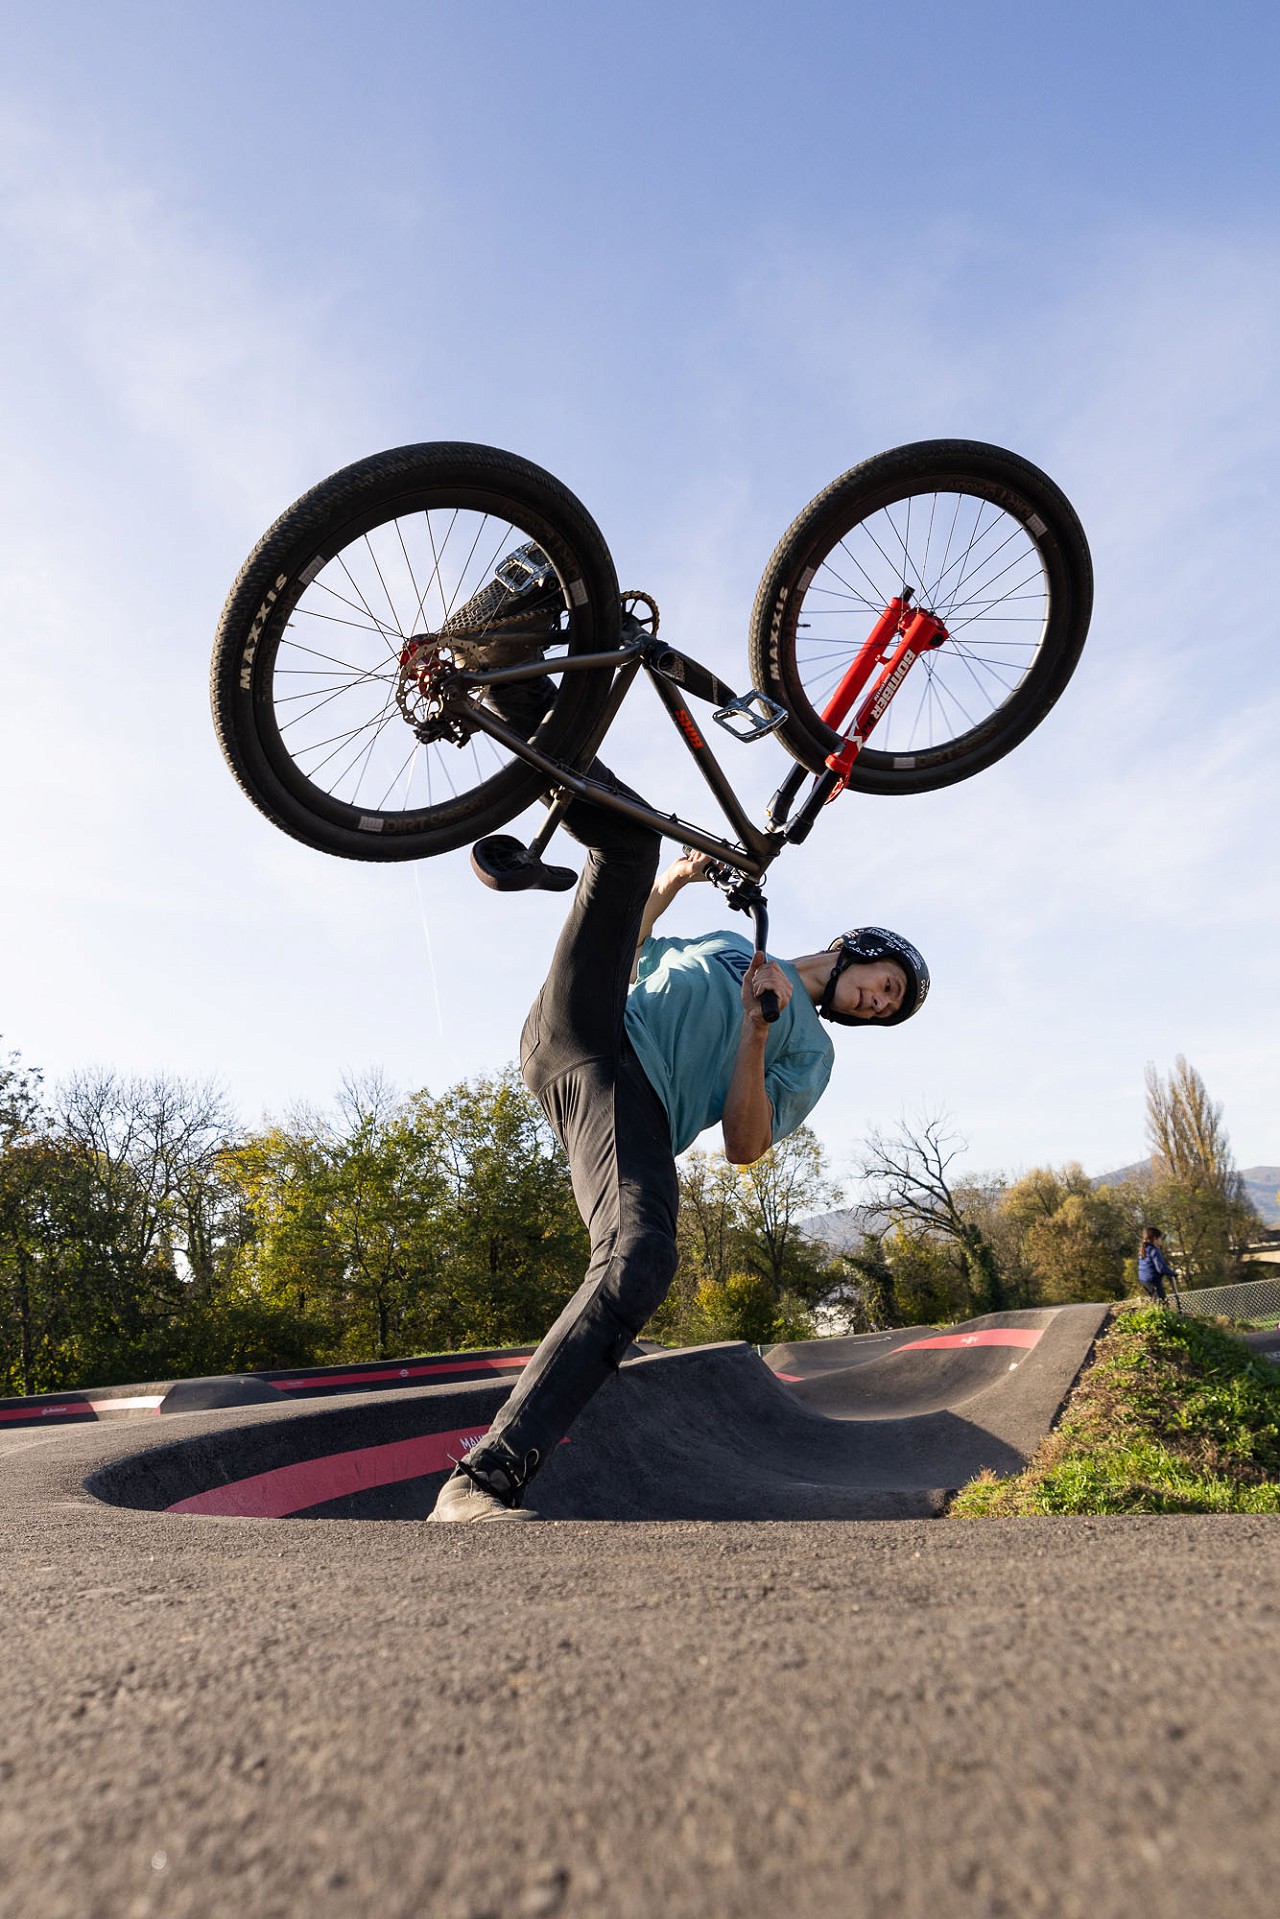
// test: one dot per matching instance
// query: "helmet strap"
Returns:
(826, 1004)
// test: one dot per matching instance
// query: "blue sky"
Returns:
(697, 260)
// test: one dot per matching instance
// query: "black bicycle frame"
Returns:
(755, 849)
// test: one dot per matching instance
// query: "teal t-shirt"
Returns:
(684, 1019)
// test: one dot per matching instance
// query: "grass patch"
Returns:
(1172, 1416)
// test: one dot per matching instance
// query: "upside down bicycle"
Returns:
(933, 599)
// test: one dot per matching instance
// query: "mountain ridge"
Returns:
(840, 1230)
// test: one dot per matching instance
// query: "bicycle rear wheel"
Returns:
(316, 707)
(977, 536)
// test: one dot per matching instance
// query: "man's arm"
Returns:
(747, 1123)
(689, 866)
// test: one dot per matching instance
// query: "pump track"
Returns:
(708, 1700)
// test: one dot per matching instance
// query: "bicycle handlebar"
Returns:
(745, 894)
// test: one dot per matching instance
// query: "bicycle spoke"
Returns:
(299, 717)
(968, 561)
(878, 600)
(389, 636)
(377, 724)
(330, 659)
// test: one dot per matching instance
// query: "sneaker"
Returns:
(512, 618)
(485, 1490)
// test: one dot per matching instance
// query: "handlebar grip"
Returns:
(769, 1005)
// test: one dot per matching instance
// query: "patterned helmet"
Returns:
(868, 944)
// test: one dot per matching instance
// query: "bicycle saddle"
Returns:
(508, 867)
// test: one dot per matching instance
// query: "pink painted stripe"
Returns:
(290, 1489)
(995, 1336)
(397, 1372)
(87, 1408)
(794, 1379)
(75, 1409)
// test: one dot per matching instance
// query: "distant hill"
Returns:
(841, 1231)
(1260, 1183)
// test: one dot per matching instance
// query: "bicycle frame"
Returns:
(755, 849)
(896, 641)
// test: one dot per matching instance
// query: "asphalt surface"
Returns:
(208, 1715)
(916, 1718)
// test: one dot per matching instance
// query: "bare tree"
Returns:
(1195, 1177)
(156, 1144)
(911, 1180)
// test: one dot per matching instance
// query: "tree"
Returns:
(416, 1224)
(744, 1306)
(1079, 1252)
(911, 1183)
(516, 1247)
(785, 1185)
(1067, 1239)
(20, 1100)
(149, 1231)
(1195, 1183)
(710, 1219)
(48, 1312)
(744, 1261)
(863, 1295)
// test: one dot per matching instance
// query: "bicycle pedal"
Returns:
(750, 716)
(508, 867)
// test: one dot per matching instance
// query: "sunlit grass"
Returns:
(1173, 1416)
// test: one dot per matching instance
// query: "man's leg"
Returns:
(617, 1135)
(577, 1060)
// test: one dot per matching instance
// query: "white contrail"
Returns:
(431, 958)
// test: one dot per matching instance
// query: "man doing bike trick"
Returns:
(633, 1047)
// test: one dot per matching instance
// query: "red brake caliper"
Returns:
(894, 644)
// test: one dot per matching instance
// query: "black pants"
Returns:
(578, 1062)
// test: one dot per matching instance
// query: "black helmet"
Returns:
(871, 943)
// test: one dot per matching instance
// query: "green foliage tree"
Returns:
(932, 1280)
(515, 1246)
(744, 1306)
(783, 1187)
(409, 1225)
(862, 1297)
(741, 1244)
(1069, 1238)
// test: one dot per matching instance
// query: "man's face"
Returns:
(870, 989)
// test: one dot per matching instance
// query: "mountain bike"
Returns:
(916, 621)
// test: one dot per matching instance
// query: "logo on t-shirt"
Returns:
(735, 963)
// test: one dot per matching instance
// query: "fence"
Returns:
(1254, 1299)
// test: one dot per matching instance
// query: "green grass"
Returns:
(1172, 1416)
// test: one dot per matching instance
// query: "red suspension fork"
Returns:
(915, 632)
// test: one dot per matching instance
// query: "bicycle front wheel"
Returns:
(403, 558)
(977, 536)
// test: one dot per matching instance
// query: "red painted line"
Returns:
(996, 1336)
(290, 1489)
(794, 1379)
(77, 1410)
(396, 1372)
